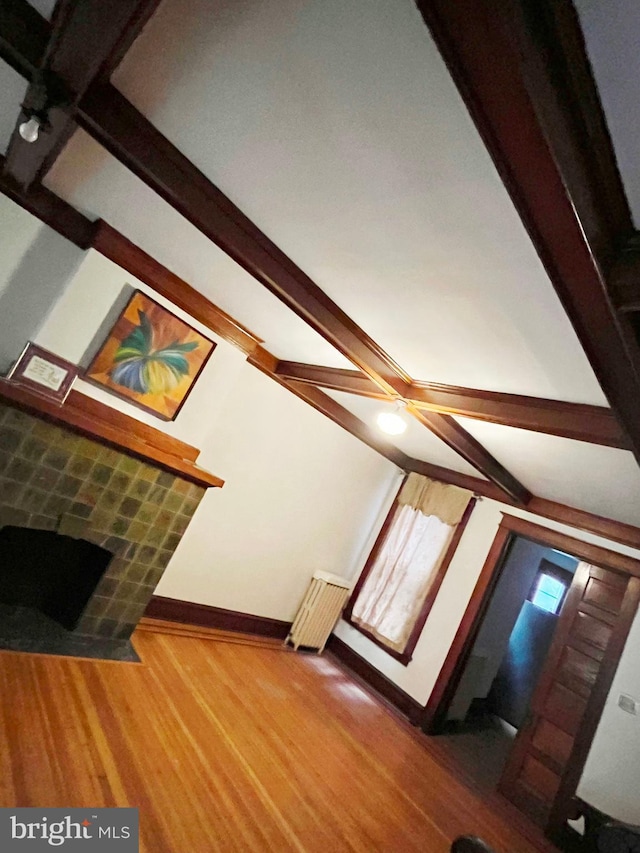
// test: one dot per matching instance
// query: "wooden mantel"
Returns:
(93, 419)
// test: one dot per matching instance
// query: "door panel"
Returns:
(550, 749)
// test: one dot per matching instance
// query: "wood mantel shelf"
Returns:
(93, 419)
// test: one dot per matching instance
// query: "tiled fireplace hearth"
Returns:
(54, 479)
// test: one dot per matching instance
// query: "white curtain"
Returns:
(407, 564)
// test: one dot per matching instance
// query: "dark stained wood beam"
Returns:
(115, 123)
(87, 39)
(522, 70)
(129, 136)
(593, 424)
(50, 209)
(122, 252)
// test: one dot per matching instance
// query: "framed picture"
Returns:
(43, 372)
(150, 357)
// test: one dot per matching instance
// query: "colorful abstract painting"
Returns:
(150, 357)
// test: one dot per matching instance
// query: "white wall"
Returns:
(300, 494)
(36, 265)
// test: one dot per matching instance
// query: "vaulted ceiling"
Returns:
(417, 202)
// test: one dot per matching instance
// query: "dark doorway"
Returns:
(550, 749)
(49, 572)
(492, 698)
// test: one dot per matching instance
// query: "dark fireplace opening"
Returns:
(52, 573)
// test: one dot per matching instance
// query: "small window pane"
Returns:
(548, 594)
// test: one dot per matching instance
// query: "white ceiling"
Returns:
(611, 31)
(336, 127)
(45, 7)
(12, 91)
(602, 480)
(417, 441)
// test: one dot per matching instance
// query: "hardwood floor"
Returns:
(227, 747)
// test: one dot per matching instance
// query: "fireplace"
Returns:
(121, 519)
(52, 573)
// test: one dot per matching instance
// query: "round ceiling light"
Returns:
(392, 422)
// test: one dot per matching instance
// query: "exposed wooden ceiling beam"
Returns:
(122, 252)
(593, 424)
(51, 209)
(87, 40)
(522, 70)
(128, 135)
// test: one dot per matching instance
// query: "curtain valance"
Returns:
(431, 497)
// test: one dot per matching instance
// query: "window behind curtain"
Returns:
(406, 567)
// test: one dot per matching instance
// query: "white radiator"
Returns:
(319, 611)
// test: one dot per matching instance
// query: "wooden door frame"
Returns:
(453, 667)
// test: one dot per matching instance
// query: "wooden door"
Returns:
(549, 752)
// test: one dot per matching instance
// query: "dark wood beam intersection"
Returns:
(129, 136)
(522, 70)
(593, 424)
(86, 41)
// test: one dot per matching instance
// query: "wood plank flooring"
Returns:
(229, 747)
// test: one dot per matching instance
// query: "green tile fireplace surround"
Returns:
(54, 479)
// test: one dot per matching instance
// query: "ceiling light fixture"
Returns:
(29, 130)
(392, 422)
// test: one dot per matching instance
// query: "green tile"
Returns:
(5, 460)
(155, 536)
(81, 510)
(139, 489)
(100, 474)
(69, 486)
(165, 479)
(42, 522)
(79, 466)
(146, 555)
(55, 458)
(138, 531)
(147, 513)
(172, 540)
(11, 491)
(21, 420)
(120, 482)
(173, 502)
(128, 464)
(162, 559)
(9, 440)
(33, 500)
(157, 495)
(181, 487)
(109, 500)
(129, 507)
(11, 516)
(33, 449)
(180, 524)
(119, 526)
(56, 505)
(20, 470)
(45, 478)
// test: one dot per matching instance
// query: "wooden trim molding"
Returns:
(406, 655)
(115, 246)
(523, 73)
(87, 39)
(122, 251)
(510, 526)
(593, 424)
(50, 209)
(104, 424)
(206, 616)
(374, 679)
(577, 547)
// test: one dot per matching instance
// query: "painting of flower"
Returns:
(150, 357)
